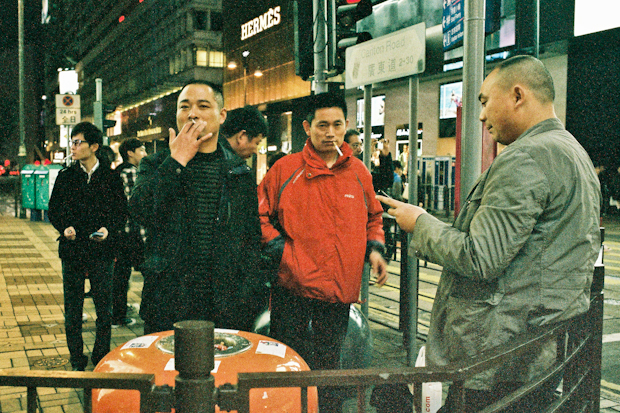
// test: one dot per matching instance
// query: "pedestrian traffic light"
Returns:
(344, 33)
(101, 111)
(302, 28)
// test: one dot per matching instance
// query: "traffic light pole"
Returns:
(21, 156)
(319, 34)
(473, 71)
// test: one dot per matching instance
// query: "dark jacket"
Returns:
(87, 207)
(159, 202)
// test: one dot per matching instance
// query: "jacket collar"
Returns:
(542, 127)
(316, 163)
(236, 164)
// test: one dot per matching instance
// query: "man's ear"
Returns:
(94, 147)
(307, 127)
(239, 135)
(518, 94)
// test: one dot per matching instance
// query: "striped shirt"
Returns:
(202, 178)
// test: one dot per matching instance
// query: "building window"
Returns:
(201, 20)
(217, 23)
(201, 57)
(216, 59)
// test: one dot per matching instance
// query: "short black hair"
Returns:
(325, 100)
(531, 72)
(247, 118)
(217, 90)
(127, 145)
(397, 164)
(106, 156)
(91, 133)
(349, 133)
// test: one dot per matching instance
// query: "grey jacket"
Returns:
(520, 255)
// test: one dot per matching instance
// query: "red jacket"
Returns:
(328, 219)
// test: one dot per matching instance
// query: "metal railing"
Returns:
(578, 361)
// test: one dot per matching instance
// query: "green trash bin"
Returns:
(42, 188)
(28, 186)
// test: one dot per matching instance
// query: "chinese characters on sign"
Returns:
(396, 55)
(452, 23)
(68, 109)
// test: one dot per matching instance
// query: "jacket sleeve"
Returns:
(272, 239)
(58, 211)
(157, 186)
(513, 198)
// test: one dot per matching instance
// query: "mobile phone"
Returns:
(384, 206)
(383, 193)
(96, 234)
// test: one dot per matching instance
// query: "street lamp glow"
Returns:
(232, 65)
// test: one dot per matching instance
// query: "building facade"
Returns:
(143, 50)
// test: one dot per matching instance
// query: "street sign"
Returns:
(68, 110)
(68, 101)
(68, 116)
(452, 22)
(393, 56)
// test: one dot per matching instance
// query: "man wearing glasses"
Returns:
(88, 208)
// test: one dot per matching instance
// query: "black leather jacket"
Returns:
(159, 202)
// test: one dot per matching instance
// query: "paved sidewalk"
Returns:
(31, 313)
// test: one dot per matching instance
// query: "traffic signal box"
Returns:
(341, 33)
(101, 111)
(346, 35)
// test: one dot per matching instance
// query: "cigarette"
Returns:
(338, 149)
(193, 120)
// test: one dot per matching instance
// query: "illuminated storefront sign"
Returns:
(147, 132)
(265, 21)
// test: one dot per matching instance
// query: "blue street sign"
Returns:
(452, 22)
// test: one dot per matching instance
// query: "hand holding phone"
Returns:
(96, 234)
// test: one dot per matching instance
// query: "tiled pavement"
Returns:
(32, 323)
(31, 313)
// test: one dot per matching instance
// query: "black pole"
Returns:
(193, 359)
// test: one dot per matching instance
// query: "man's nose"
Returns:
(483, 116)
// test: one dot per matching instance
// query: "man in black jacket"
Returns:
(88, 208)
(198, 203)
(243, 131)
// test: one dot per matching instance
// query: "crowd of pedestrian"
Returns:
(212, 245)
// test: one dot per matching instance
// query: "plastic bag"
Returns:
(431, 392)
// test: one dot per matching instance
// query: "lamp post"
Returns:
(244, 61)
(245, 55)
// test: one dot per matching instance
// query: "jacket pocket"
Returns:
(473, 325)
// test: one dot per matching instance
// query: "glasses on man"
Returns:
(77, 142)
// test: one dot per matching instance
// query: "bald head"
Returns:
(516, 95)
(530, 73)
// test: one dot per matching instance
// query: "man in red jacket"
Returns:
(320, 221)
